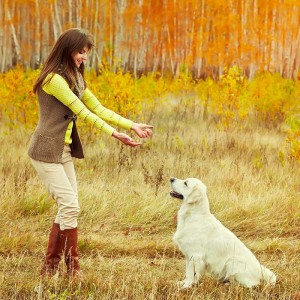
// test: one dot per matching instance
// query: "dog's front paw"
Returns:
(184, 284)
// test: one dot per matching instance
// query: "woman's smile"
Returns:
(80, 57)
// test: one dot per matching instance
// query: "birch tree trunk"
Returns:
(70, 12)
(37, 54)
(16, 46)
(296, 69)
(167, 31)
(255, 38)
(45, 37)
(200, 42)
(264, 38)
(288, 52)
(78, 13)
(119, 34)
(94, 28)
(138, 52)
(57, 18)
(54, 25)
(272, 49)
(3, 37)
(280, 35)
(295, 45)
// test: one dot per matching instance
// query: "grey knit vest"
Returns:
(47, 141)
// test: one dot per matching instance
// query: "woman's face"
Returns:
(80, 57)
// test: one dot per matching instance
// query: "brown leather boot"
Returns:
(71, 252)
(54, 251)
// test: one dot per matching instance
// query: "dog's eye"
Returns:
(185, 183)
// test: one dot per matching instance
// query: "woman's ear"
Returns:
(195, 195)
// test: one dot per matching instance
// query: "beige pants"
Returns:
(60, 180)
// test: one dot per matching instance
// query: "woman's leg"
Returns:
(60, 180)
(71, 235)
(54, 252)
(66, 210)
(60, 188)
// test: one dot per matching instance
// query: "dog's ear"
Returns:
(195, 195)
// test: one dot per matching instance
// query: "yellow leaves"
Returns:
(273, 98)
(223, 98)
(293, 138)
(229, 102)
(116, 91)
(17, 98)
(293, 145)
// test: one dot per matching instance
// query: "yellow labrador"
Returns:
(208, 245)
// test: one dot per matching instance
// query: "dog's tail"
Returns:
(268, 276)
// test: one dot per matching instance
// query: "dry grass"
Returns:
(126, 221)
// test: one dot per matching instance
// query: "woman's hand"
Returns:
(125, 139)
(142, 130)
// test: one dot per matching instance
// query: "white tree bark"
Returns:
(3, 38)
(37, 54)
(57, 17)
(295, 46)
(54, 24)
(70, 12)
(45, 37)
(16, 45)
(78, 13)
(119, 34)
(94, 28)
(272, 51)
(138, 37)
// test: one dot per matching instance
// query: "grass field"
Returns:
(126, 222)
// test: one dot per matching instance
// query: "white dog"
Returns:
(208, 245)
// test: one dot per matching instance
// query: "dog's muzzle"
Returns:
(173, 193)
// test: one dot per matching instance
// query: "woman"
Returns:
(63, 95)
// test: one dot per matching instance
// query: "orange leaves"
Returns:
(160, 35)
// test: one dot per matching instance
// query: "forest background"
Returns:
(159, 35)
(219, 80)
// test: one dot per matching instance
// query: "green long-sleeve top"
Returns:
(88, 108)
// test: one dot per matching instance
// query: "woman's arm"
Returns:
(91, 101)
(59, 88)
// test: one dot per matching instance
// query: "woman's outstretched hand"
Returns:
(142, 130)
(125, 139)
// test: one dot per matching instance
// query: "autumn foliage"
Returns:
(145, 36)
(230, 102)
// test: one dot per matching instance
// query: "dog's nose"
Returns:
(172, 179)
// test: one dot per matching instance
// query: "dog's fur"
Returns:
(208, 245)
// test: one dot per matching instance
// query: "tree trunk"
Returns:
(272, 48)
(37, 37)
(119, 34)
(3, 38)
(57, 18)
(16, 46)
(70, 12)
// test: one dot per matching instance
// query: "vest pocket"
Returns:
(45, 146)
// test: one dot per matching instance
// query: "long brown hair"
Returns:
(60, 58)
